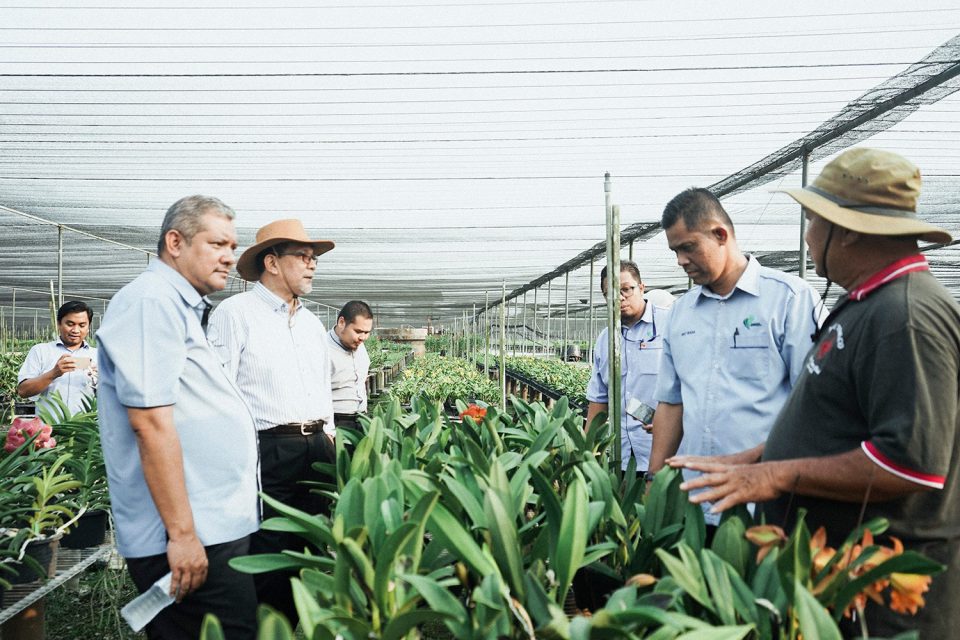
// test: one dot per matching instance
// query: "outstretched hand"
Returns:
(727, 485)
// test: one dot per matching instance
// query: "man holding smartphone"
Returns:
(642, 323)
(67, 366)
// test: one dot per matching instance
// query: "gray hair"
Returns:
(184, 216)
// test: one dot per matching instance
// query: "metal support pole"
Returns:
(803, 219)
(549, 343)
(13, 310)
(523, 345)
(566, 312)
(536, 310)
(615, 391)
(473, 335)
(59, 266)
(590, 334)
(630, 253)
(486, 334)
(503, 347)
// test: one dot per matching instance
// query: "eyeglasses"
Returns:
(625, 292)
(307, 258)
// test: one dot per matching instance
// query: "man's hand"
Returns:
(65, 364)
(188, 564)
(727, 485)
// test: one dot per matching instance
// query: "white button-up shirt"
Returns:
(348, 375)
(73, 386)
(280, 362)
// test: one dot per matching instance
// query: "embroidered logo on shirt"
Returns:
(751, 321)
(833, 338)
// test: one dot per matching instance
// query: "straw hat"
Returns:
(869, 191)
(273, 234)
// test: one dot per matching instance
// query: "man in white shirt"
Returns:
(349, 362)
(276, 352)
(67, 366)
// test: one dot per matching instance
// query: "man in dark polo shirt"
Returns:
(874, 416)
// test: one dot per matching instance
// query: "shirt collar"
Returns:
(182, 286)
(275, 302)
(336, 340)
(889, 273)
(749, 282)
(59, 342)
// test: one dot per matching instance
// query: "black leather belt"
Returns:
(295, 429)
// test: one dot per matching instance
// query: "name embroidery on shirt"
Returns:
(833, 340)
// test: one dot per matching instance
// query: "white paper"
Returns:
(145, 607)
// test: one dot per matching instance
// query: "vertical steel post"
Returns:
(630, 252)
(566, 313)
(803, 218)
(503, 347)
(536, 310)
(13, 310)
(473, 336)
(59, 266)
(523, 346)
(614, 393)
(590, 334)
(549, 343)
(486, 334)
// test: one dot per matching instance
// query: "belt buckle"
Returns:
(303, 429)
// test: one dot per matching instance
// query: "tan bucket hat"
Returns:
(275, 233)
(869, 191)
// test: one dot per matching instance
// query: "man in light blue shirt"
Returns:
(67, 366)
(735, 344)
(642, 324)
(178, 440)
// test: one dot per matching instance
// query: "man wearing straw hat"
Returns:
(276, 351)
(873, 419)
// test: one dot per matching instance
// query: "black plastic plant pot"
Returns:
(592, 588)
(89, 531)
(41, 552)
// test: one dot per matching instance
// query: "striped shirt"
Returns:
(280, 362)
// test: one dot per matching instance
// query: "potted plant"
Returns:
(33, 482)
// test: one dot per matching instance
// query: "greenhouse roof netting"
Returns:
(450, 149)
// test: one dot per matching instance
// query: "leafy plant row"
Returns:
(444, 378)
(566, 378)
(484, 526)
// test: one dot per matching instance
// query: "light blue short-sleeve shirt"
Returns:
(73, 387)
(731, 361)
(640, 351)
(153, 353)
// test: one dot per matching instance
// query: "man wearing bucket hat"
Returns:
(874, 417)
(276, 351)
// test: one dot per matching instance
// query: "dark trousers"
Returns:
(228, 594)
(285, 461)
(348, 420)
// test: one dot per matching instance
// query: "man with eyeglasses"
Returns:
(735, 345)
(641, 325)
(276, 352)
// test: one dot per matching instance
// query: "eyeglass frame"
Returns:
(304, 258)
(622, 294)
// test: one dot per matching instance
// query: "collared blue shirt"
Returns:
(153, 353)
(732, 360)
(279, 361)
(73, 386)
(640, 351)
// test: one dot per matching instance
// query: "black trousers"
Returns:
(285, 461)
(228, 594)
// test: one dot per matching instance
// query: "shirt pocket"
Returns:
(748, 356)
(648, 360)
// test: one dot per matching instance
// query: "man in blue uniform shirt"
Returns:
(642, 323)
(735, 344)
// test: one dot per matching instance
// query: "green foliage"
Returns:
(384, 353)
(566, 378)
(482, 526)
(444, 378)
